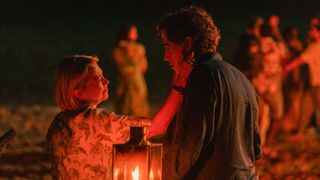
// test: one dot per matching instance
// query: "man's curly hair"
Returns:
(191, 21)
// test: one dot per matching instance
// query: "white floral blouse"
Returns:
(80, 142)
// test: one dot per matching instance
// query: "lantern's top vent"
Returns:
(137, 135)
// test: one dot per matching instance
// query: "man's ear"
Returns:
(188, 42)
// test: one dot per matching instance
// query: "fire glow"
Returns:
(137, 159)
(135, 173)
(151, 175)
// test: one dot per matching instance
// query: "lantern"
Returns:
(137, 159)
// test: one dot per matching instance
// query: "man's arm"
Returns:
(295, 63)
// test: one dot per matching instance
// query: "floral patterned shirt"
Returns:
(80, 142)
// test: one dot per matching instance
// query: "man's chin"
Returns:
(173, 67)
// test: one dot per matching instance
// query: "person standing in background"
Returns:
(246, 53)
(131, 62)
(293, 84)
(311, 101)
(268, 84)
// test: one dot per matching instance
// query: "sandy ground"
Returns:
(25, 156)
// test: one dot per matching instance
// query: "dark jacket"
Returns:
(215, 134)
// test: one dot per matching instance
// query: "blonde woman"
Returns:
(81, 136)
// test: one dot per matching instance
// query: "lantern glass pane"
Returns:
(137, 159)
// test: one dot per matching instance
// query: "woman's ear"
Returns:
(77, 93)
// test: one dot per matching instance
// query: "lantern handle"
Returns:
(138, 135)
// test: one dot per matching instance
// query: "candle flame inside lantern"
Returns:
(116, 173)
(151, 176)
(135, 173)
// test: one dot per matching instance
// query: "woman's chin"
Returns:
(106, 98)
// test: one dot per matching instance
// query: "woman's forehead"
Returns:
(94, 69)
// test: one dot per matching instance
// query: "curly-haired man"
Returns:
(215, 133)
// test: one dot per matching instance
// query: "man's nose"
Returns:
(165, 58)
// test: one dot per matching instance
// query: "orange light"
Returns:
(135, 173)
(137, 159)
(116, 173)
(151, 176)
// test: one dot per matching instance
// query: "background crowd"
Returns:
(288, 95)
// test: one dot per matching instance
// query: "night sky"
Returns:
(36, 35)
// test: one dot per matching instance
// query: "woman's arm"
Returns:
(165, 114)
(172, 104)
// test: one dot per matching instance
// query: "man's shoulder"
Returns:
(217, 64)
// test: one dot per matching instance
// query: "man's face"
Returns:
(173, 52)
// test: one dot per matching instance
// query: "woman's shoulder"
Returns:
(135, 45)
(92, 114)
(102, 115)
(140, 46)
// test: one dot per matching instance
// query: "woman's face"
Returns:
(95, 86)
(267, 45)
(133, 34)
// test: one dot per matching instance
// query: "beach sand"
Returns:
(25, 156)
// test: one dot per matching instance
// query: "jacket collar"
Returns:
(208, 56)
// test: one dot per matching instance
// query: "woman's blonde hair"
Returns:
(72, 70)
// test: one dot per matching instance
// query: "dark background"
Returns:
(36, 35)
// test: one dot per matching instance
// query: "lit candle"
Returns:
(151, 176)
(135, 173)
(116, 173)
